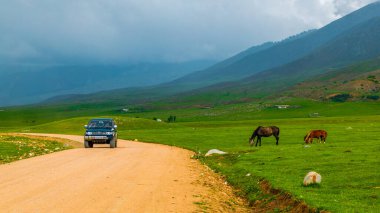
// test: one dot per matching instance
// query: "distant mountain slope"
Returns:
(358, 81)
(278, 54)
(357, 44)
(268, 69)
(28, 84)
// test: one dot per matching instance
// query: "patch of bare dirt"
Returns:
(220, 196)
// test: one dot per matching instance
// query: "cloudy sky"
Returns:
(125, 31)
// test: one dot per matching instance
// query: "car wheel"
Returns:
(113, 143)
(87, 144)
(91, 144)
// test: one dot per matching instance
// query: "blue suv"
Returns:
(100, 131)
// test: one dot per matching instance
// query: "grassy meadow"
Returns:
(348, 162)
(17, 147)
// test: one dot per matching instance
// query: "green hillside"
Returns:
(357, 82)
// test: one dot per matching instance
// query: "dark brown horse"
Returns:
(321, 135)
(264, 132)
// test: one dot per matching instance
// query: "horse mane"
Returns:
(256, 130)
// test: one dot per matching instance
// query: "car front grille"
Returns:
(98, 133)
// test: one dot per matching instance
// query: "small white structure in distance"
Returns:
(314, 115)
(282, 106)
(215, 151)
(312, 178)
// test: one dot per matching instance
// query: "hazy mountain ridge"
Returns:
(343, 42)
(29, 83)
(279, 53)
(357, 44)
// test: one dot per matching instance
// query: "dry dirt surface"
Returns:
(135, 177)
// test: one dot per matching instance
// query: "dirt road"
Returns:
(135, 177)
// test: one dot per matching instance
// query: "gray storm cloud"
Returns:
(102, 31)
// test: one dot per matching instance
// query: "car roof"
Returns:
(102, 119)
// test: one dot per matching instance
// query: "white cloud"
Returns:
(170, 30)
(342, 7)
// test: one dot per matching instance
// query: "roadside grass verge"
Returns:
(17, 147)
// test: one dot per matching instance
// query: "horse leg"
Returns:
(260, 141)
(277, 138)
(257, 140)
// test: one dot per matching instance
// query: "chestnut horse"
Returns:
(264, 132)
(321, 135)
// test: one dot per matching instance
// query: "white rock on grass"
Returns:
(215, 151)
(312, 178)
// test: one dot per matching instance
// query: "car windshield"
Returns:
(96, 124)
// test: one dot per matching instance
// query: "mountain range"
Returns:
(264, 71)
(266, 57)
(22, 84)
(354, 45)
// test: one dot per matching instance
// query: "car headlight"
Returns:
(109, 133)
(88, 133)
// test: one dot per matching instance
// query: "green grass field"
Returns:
(18, 147)
(348, 162)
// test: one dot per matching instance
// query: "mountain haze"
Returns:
(266, 69)
(355, 45)
(277, 54)
(53, 80)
